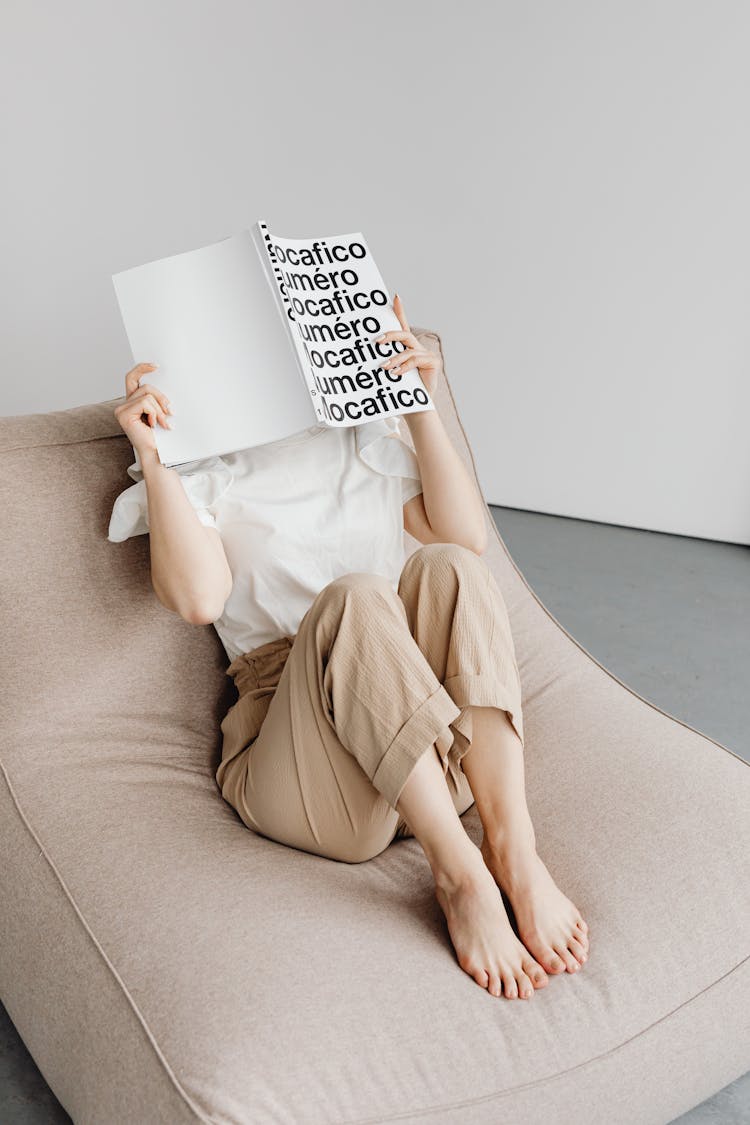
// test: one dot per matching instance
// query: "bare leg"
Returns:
(479, 927)
(549, 924)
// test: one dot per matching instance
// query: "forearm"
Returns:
(189, 570)
(454, 507)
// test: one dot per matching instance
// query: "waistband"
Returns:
(261, 667)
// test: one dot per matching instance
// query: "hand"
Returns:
(147, 400)
(428, 364)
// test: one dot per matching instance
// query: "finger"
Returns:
(406, 337)
(132, 377)
(401, 357)
(146, 404)
(139, 404)
(398, 308)
(404, 367)
(150, 406)
(160, 396)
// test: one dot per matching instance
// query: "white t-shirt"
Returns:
(293, 515)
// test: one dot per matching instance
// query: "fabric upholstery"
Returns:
(165, 964)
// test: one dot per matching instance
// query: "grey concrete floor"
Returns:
(669, 615)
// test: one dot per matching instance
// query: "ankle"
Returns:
(458, 866)
(511, 844)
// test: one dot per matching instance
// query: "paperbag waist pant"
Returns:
(330, 721)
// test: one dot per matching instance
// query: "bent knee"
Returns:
(442, 554)
(358, 848)
(358, 584)
(361, 580)
(341, 843)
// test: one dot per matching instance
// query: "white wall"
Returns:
(561, 189)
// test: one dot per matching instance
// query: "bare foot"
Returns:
(482, 935)
(549, 924)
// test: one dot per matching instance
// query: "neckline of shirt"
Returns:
(293, 439)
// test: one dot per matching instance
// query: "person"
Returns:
(378, 697)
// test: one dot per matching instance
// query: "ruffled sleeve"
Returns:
(381, 445)
(205, 482)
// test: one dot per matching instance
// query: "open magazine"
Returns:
(257, 337)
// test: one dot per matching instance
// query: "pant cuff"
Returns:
(486, 691)
(419, 731)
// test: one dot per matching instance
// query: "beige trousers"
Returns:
(330, 721)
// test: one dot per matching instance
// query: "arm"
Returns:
(449, 509)
(189, 569)
(190, 573)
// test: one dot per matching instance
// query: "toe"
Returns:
(542, 952)
(482, 977)
(525, 986)
(496, 984)
(479, 974)
(551, 962)
(567, 957)
(536, 973)
(509, 984)
(577, 950)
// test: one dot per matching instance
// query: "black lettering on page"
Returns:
(337, 315)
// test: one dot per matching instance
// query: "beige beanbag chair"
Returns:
(165, 964)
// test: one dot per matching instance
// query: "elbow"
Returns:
(201, 613)
(482, 538)
(196, 610)
(205, 610)
(478, 543)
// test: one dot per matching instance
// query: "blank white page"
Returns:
(210, 321)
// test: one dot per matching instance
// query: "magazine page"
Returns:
(211, 322)
(336, 304)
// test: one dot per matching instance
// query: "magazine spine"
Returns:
(273, 267)
(276, 280)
